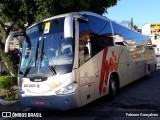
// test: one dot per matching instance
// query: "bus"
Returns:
(72, 59)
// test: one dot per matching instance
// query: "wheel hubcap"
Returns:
(148, 73)
(114, 87)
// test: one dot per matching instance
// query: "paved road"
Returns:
(139, 98)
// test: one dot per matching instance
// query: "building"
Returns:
(146, 29)
(153, 31)
(155, 28)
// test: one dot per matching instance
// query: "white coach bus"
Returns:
(72, 59)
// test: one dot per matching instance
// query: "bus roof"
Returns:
(127, 33)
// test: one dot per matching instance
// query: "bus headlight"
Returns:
(67, 89)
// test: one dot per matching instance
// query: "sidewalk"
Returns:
(6, 105)
(10, 106)
(5, 102)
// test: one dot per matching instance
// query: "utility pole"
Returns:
(131, 23)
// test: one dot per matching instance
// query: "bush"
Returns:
(10, 97)
(7, 82)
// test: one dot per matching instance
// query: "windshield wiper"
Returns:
(26, 71)
(36, 54)
(49, 66)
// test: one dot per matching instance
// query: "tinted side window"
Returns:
(128, 34)
(135, 42)
(94, 36)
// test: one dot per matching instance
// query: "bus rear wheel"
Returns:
(148, 72)
(155, 67)
(113, 86)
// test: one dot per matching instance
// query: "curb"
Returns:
(5, 102)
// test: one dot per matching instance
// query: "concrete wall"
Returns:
(146, 29)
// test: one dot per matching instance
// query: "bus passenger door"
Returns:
(86, 78)
(85, 63)
(86, 73)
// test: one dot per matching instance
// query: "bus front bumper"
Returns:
(57, 102)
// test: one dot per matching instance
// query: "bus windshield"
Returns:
(45, 51)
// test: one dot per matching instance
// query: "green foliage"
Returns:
(2, 91)
(23, 13)
(49, 8)
(29, 11)
(9, 97)
(7, 82)
(19, 11)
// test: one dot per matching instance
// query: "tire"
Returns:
(155, 67)
(148, 72)
(113, 86)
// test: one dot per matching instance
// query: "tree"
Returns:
(55, 7)
(20, 12)
(135, 27)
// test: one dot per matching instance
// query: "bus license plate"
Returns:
(39, 102)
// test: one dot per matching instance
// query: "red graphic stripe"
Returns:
(103, 67)
(107, 72)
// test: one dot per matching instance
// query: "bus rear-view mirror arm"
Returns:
(10, 38)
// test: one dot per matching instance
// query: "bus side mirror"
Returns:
(68, 26)
(10, 38)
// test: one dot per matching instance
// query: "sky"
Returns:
(142, 11)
